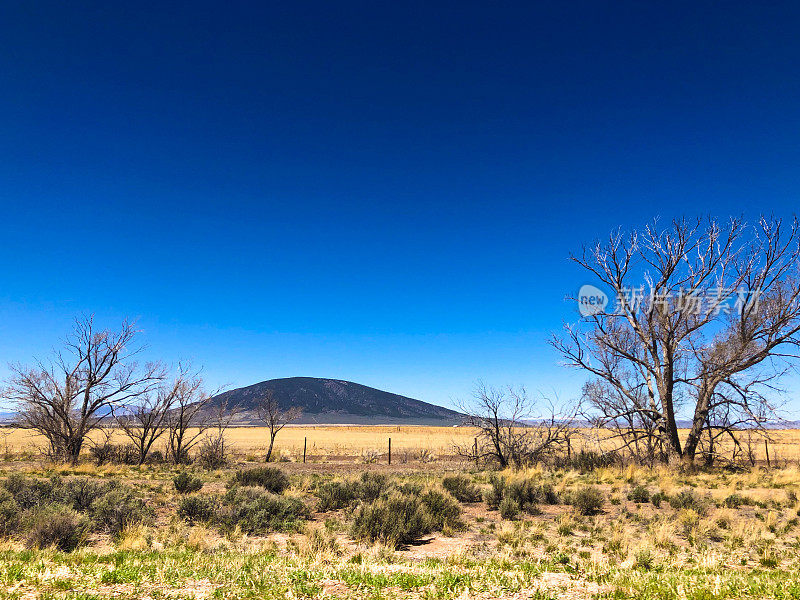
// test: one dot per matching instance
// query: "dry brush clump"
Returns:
(186, 483)
(52, 511)
(251, 510)
(389, 511)
(269, 478)
(338, 494)
(516, 494)
(398, 519)
(55, 525)
(462, 488)
(587, 500)
(254, 503)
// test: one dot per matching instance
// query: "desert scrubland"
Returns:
(346, 524)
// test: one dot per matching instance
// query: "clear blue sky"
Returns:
(380, 192)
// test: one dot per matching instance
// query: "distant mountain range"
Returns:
(333, 401)
(338, 402)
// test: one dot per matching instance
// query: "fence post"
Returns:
(390, 450)
(569, 449)
(305, 442)
(766, 449)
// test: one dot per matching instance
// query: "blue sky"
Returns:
(381, 192)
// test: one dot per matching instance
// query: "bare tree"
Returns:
(608, 410)
(274, 417)
(186, 421)
(512, 432)
(213, 451)
(147, 420)
(707, 317)
(67, 397)
(102, 447)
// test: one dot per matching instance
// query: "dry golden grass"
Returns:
(322, 440)
(372, 441)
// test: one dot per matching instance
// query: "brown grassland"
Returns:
(356, 441)
(347, 525)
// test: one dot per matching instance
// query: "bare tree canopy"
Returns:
(186, 421)
(512, 430)
(65, 398)
(274, 417)
(214, 450)
(146, 420)
(707, 318)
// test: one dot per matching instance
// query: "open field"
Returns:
(323, 441)
(636, 533)
(354, 442)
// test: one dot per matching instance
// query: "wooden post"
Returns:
(475, 451)
(569, 449)
(766, 449)
(305, 442)
(390, 450)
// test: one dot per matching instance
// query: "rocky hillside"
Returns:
(335, 401)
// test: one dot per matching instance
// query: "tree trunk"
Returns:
(74, 450)
(271, 444)
(670, 426)
(698, 424)
(710, 455)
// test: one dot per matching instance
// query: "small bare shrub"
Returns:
(370, 456)
(104, 452)
(424, 456)
(212, 452)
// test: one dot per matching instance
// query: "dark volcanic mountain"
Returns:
(335, 401)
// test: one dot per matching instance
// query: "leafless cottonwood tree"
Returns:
(714, 326)
(67, 397)
(186, 421)
(274, 417)
(147, 420)
(213, 452)
(609, 410)
(512, 432)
